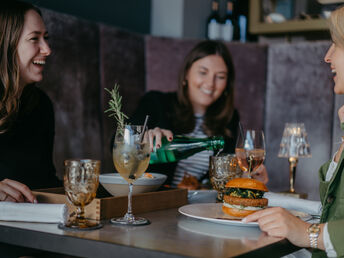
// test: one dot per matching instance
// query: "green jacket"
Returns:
(332, 200)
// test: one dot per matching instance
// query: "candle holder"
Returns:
(294, 145)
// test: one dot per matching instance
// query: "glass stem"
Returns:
(129, 212)
(250, 159)
(80, 213)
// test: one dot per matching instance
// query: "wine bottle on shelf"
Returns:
(214, 22)
(228, 23)
(243, 27)
(240, 14)
(182, 147)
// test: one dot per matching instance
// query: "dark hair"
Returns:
(12, 16)
(219, 113)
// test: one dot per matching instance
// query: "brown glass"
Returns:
(81, 180)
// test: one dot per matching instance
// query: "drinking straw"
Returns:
(144, 128)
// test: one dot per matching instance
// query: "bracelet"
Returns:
(313, 234)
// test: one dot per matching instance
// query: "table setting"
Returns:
(165, 214)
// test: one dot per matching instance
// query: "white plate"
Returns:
(302, 215)
(212, 212)
(217, 230)
(115, 178)
(202, 196)
(117, 186)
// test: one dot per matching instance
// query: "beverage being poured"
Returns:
(182, 147)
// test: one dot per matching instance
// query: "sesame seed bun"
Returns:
(247, 183)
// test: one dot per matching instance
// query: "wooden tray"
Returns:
(109, 207)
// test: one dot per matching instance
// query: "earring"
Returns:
(185, 82)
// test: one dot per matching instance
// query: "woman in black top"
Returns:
(26, 113)
(202, 106)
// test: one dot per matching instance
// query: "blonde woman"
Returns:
(326, 237)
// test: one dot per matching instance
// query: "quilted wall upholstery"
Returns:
(250, 62)
(274, 84)
(71, 79)
(122, 62)
(164, 57)
(299, 89)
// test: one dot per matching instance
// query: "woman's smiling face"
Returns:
(335, 57)
(33, 48)
(206, 80)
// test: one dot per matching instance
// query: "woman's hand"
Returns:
(13, 191)
(278, 222)
(261, 174)
(158, 133)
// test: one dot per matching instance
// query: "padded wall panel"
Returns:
(298, 90)
(71, 79)
(164, 57)
(250, 62)
(122, 61)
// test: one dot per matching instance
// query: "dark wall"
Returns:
(133, 15)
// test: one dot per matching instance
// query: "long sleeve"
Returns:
(332, 196)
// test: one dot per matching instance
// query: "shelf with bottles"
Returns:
(228, 26)
(257, 26)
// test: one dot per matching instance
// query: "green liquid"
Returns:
(183, 147)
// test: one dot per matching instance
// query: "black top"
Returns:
(26, 148)
(159, 107)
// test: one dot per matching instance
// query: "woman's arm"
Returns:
(278, 222)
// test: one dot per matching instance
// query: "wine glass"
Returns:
(223, 168)
(250, 150)
(81, 180)
(131, 155)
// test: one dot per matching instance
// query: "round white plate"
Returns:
(212, 212)
(115, 178)
(302, 215)
(217, 230)
(202, 196)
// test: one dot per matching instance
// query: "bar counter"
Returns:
(170, 234)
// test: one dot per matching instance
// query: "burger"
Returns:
(244, 196)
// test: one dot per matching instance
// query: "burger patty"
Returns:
(245, 201)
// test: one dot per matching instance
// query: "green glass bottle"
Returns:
(182, 147)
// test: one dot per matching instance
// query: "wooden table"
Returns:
(169, 235)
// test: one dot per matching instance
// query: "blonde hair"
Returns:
(336, 24)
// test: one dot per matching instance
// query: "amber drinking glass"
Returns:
(81, 180)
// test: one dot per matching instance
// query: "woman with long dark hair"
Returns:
(202, 107)
(26, 112)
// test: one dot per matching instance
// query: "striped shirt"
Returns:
(196, 165)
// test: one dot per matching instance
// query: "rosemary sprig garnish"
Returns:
(115, 106)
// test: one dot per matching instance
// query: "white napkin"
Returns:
(292, 203)
(33, 212)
